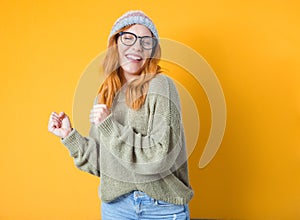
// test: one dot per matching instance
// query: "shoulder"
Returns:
(162, 84)
(162, 88)
(161, 79)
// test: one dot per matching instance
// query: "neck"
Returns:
(128, 77)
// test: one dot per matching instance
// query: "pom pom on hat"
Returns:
(134, 17)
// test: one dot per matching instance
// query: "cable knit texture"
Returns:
(138, 150)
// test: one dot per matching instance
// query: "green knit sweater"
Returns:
(138, 150)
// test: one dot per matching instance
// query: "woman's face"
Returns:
(133, 58)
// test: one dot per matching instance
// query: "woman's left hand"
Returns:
(98, 113)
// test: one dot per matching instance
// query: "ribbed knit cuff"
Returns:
(106, 126)
(73, 141)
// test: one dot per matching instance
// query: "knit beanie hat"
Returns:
(133, 17)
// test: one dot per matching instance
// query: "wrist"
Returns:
(66, 134)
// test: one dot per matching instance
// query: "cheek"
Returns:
(121, 53)
(148, 53)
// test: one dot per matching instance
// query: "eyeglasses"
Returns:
(129, 39)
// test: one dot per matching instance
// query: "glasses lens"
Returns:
(148, 42)
(128, 39)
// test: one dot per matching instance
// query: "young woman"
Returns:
(136, 142)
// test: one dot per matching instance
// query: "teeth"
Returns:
(134, 57)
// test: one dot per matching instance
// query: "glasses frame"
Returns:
(141, 40)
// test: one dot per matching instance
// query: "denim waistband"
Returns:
(138, 205)
(141, 195)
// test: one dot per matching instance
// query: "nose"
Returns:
(137, 46)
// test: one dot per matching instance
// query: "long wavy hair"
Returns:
(137, 89)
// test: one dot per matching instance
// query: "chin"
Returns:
(132, 69)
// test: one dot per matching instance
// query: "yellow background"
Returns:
(253, 47)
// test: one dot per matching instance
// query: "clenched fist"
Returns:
(98, 113)
(59, 124)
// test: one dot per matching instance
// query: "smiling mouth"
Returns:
(134, 57)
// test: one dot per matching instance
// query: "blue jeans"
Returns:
(138, 205)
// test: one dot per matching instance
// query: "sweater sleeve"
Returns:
(156, 151)
(84, 150)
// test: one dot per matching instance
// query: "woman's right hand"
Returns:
(59, 124)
